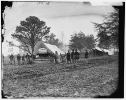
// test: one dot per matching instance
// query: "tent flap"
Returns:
(53, 48)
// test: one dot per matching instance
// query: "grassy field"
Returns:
(97, 77)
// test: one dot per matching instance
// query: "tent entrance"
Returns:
(42, 50)
(43, 55)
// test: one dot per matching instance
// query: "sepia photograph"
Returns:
(60, 49)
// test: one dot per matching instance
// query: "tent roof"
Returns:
(106, 50)
(101, 49)
(49, 47)
(53, 48)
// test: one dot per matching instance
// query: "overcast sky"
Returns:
(62, 17)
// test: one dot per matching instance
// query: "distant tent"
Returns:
(110, 52)
(95, 52)
(50, 48)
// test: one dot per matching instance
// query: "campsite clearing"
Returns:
(97, 77)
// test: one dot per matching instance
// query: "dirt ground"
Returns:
(87, 78)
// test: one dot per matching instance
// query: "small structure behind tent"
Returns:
(99, 52)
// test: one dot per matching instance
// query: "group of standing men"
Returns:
(20, 59)
(72, 57)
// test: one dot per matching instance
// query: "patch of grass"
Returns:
(53, 80)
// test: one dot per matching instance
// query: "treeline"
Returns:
(80, 40)
(107, 36)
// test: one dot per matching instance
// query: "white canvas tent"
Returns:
(49, 47)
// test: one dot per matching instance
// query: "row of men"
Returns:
(24, 59)
(70, 57)
(74, 56)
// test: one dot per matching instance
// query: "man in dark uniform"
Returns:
(76, 55)
(51, 55)
(23, 58)
(72, 56)
(11, 59)
(28, 58)
(18, 58)
(68, 57)
(86, 54)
